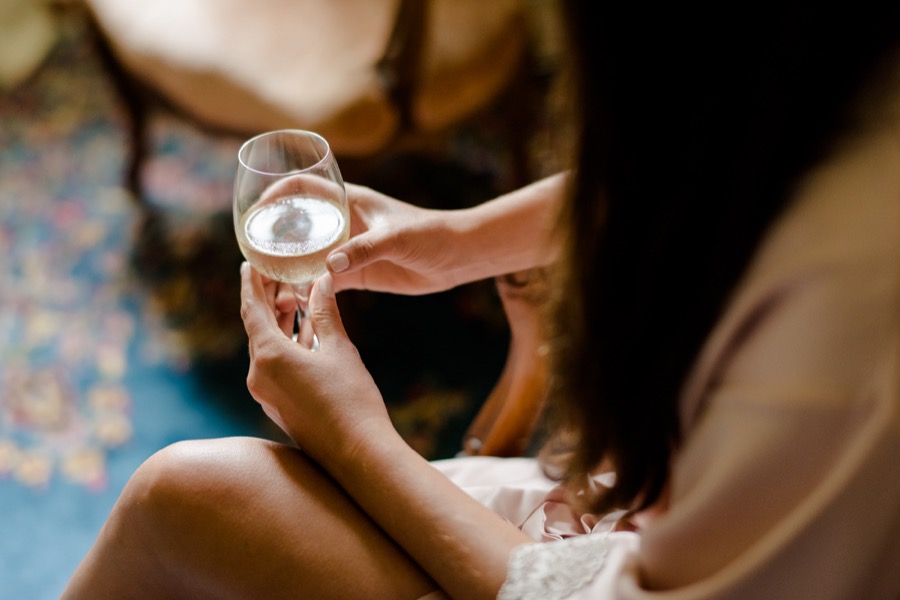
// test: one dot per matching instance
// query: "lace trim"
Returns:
(553, 570)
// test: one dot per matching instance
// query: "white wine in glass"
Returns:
(290, 208)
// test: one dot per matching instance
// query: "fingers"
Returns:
(348, 262)
(324, 313)
(265, 325)
(285, 299)
(306, 334)
(257, 305)
(359, 252)
(368, 242)
(286, 322)
(285, 309)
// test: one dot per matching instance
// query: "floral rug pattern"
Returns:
(76, 317)
(66, 324)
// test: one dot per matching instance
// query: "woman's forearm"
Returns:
(463, 545)
(513, 232)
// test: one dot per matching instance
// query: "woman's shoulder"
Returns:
(818, 302)
(845, 212)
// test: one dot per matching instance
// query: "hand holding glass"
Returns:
(290, 208)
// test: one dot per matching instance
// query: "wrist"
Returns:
(360, 455)
(514, 232)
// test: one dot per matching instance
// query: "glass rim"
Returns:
(305, 132)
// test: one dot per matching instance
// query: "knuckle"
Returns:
(265, 356)
(404, 248)
(365, 250)
(324, 316)
(246, 308)
(253, 383)
(265, 363)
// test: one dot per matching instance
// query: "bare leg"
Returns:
(241, 518)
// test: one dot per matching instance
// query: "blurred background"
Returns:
(119, 127)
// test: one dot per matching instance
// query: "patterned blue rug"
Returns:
(119, 334)
(93, 379)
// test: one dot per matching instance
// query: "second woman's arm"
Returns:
(400, 248)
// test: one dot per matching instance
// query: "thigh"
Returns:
(246, 518)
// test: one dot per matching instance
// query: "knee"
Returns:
(195, 477)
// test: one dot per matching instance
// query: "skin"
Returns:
(356, 512)
(404, 249)
(240, 518)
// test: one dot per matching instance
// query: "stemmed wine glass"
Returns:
(290, 210)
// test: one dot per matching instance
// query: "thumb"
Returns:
(323, 309)
(361, 251)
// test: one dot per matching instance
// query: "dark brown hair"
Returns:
(695, 124)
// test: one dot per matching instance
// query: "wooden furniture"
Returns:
(369, 75)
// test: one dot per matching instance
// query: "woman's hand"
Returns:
(395, 247)
(325, 400)
(400, 248)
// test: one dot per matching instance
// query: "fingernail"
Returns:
(326, 286)
(244, 266)
(338, 262)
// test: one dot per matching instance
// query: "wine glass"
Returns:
(290, 211)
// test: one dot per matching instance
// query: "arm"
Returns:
(460, 543)
(401, 248)
(340, 420)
